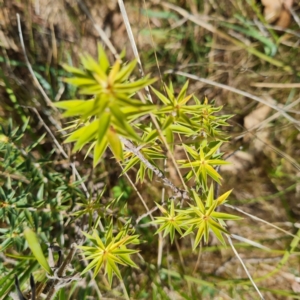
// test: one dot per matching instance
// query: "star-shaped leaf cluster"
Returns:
(109, 252)
(204, 218)
(200, 216)
(170, 222)
(202, 164)
(109, 113)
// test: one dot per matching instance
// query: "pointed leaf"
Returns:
(199, 235)
(90, 64)
(210, 196)
(199, 202)
(183, 91)
(75, 71)
(125, 72)
(170, 93)
(213, 173)
(98, 266)
(90, 266)
(103, 125)
(191, 151)
(129, 164)
(115, 144)
(213, 149)
(102, 59)
(89, 133)
(160, 96)
(224, 216)
(221, 199)
(113, 73)
(82, 81)
(217, 231)
(36, 249)
(99, 149)
(68, 104)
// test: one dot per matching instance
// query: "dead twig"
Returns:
(37, 83)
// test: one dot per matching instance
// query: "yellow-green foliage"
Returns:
(113, 116)
(108, 114)
(109, 252)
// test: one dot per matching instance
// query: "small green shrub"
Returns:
(141, 135)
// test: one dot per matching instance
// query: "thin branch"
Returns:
(160, 244)
(275, 85)
(139, 195)
(150, 212)
(160, 247)
(61, 272)
(177, 192)
(198, 259)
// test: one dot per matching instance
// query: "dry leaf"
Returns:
(272, 10)
(284, 20)
(7, 42)
(296, 287)
(288, 3)
(278, 12)
(240, 161)
(254, 118)
(257, 116)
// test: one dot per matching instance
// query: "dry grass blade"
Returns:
(250, 242)
(237, 91)
(275, 85)
(100, 31)
(260, 220)
(37, 83)
(225, 36)
(132, 42)
(136, 54)
(244, 266)
(268, 120)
